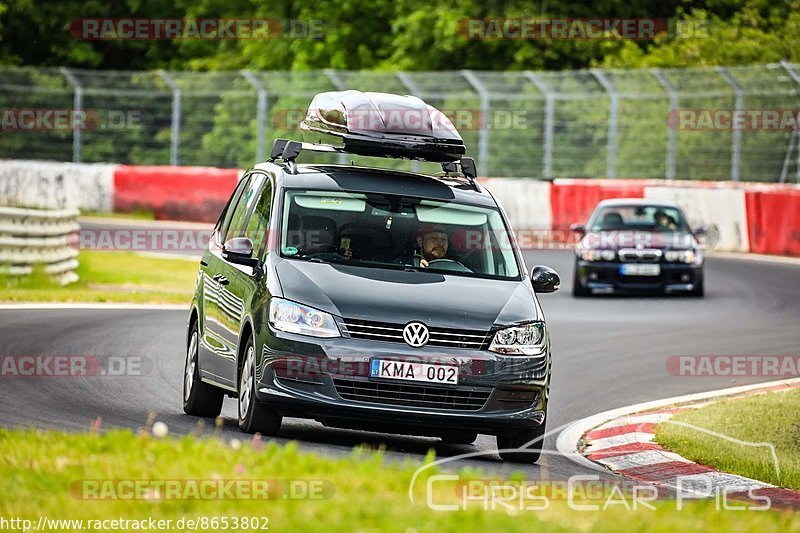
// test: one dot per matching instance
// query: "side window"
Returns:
(258, 224)
(245, 207)
(227, 213)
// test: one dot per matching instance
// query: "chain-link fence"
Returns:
(736, 123)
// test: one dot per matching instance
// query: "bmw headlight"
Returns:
(520, 340)
(598, 255)
(684, 256)
(296, 318)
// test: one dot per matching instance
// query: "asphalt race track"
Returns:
(608, 352)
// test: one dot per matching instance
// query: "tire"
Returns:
(519, 441)
(199, 399)
(578, 290)
(459, 437)
(254, 416)
(699, 291)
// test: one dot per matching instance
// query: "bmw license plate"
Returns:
(411, 371)
(640, 270)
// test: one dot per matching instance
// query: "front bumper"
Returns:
(328, 380)
(605, 277)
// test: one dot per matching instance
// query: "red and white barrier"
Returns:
(773, 221)
(722, 211)
(174, 193)
(574, 200)
(741, 216)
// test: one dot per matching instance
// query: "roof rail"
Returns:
(287, 151)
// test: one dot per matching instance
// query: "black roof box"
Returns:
(382, 125)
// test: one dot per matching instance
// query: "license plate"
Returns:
(640, 270)
(410, 371)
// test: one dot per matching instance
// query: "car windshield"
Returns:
(638, 218)
(396, 232)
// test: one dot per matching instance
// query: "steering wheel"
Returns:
(448, 264)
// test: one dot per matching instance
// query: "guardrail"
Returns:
(31, 237)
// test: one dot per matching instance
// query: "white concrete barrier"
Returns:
(50, 185)
(47, 237)
(722, 210)
(525, 201)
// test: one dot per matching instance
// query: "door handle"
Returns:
(223, 280)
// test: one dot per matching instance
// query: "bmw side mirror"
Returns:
(239, 251)
(544, 279)
(580, 229)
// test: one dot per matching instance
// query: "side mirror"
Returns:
(544, 279)
(701, 231)
(239, 251)
(580, 229)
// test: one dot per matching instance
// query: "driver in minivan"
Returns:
(433, 242)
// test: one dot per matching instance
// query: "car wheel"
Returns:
(199, 399)
(254, 417)
(699, 291)
(520, 447)
(459, 437)
(578, 290)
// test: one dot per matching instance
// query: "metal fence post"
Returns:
(611, 157)
(176, 119)
(549, 116)
(77, 109)
(261, 114)
(483, 134)
(736, 145)
(337, 82)
(413, 90)
(795, 133)
(672, 139)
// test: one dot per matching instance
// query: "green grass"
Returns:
(42, 472)
(133, 215)
(772, 418)
(110, 276)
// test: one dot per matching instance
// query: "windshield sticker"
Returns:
(335, 201)
(289, 250)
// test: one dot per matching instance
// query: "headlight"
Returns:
(519, 340)
(683, 256)
(598, 255)
(295, 318)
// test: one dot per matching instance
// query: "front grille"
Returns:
(632, 255)
(441, 337)
(412, 395)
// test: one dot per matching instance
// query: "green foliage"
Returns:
(47, 473)
(402, 35)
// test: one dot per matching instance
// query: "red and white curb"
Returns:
(622, 441)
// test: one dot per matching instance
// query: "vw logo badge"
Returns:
(416, 334)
